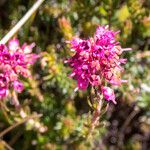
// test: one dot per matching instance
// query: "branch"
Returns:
(135, 111)
(10, 34)
(17, 124)
(96, 116)
(7, 145)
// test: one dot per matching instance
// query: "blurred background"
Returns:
(64, 124)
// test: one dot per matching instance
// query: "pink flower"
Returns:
(3, 48)
(3, 85)
(97, 60)
(18, 86)
(28, 48)
(3, 92)
(3, 80)
(13, 44)
(14, 62)
(108, 94)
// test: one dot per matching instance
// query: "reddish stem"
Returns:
(96, 115)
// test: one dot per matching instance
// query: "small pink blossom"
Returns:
(13, 45)
(3, 92)
(14, 62)
(97, 60)
(18, 86)
(108, 94)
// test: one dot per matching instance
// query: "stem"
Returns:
(15, 138)
(96, 115)
(15, 100)
(7, 146)
(143, 55)
(9, 35)
(110, 15)
(17, 124)
(4, 111)
(125, 125)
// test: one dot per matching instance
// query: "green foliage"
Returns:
(50, 92)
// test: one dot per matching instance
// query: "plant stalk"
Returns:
(18, 123)
(96, 116)
(24, 19)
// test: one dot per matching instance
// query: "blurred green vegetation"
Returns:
(66, 115)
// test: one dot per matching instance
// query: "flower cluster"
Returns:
(96, 61)
(14, 61)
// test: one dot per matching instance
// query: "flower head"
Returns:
(14, 62)
(13, 45)
(108, 94)
(97, 61)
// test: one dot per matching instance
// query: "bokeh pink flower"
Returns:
(14, 63)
